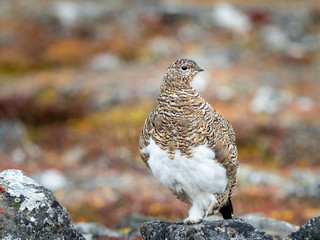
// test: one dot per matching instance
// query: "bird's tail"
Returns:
(227, 210)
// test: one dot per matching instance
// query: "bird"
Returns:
(190, 147)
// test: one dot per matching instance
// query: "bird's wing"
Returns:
(145, 137)
(224, 146)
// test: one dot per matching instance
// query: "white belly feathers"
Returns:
(198, 174)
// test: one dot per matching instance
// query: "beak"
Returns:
(200, 69)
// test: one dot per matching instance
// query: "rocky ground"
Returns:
(78, 78)
(30, 211)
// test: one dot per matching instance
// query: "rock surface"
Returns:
(309, 230)
(30, 211)
(91, 230)
(225, 229)
(276, 228)
(127, 229)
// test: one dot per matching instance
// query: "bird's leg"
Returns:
(201, 203)
(195, 214)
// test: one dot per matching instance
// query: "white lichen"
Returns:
(9, 237)
(18, 185)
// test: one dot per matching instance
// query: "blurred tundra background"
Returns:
(78, 78)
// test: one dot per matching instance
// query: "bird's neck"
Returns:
(175, 95)
(176, 87)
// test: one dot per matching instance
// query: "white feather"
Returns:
(200, 176)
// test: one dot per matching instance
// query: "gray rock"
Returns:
(266, 99)
(30, 211)
(313, 191)
(74, 155)
(305, 184)
(274, 37)
(93, 230)
(290, 33)
(51, 179)
(302, 184)
(72, 13)
(272, 226)
(225, 229)
(308, 231)
(104, 61)
(252, 176)
(132, 223)
(227, 16)
(12, 135)
(15, 142)
(128, 228)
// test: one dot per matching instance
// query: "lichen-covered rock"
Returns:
(275, 227)
(127, 229)
(308, 231)
(30, 211)
(225, 229)
(92, 230)
(131, 225)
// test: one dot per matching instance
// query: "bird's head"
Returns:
(181, 73)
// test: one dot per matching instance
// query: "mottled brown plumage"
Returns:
(182, 121)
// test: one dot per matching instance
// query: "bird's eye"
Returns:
(184, 67)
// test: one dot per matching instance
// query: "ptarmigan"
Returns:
(189, 146)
